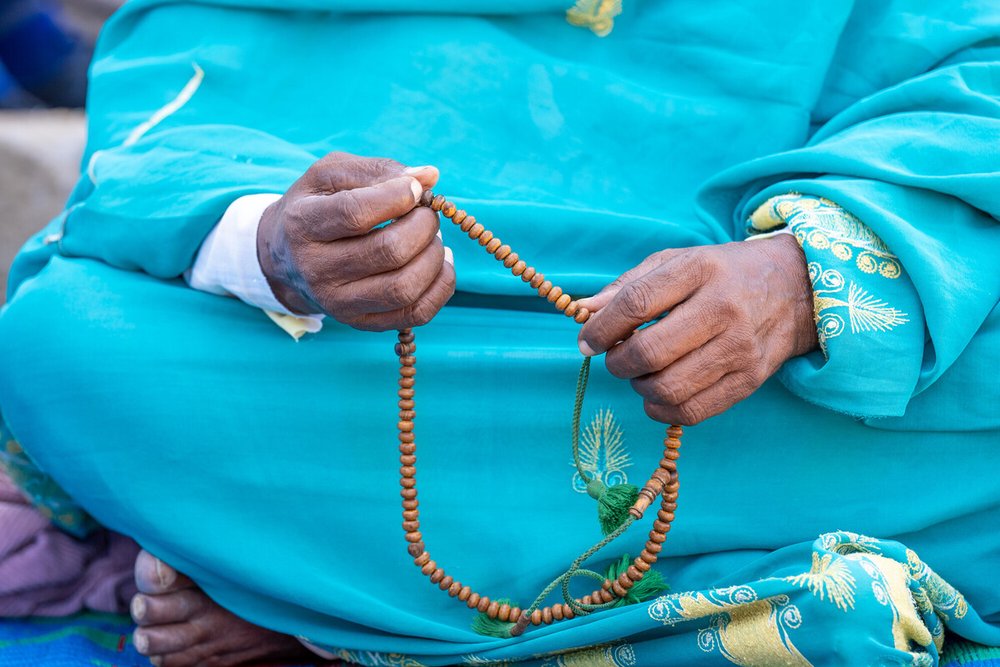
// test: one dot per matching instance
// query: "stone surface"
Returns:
(40, 154)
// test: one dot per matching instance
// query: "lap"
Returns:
(268, 470)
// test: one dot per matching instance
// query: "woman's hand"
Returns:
(320, 250)
(736, 313)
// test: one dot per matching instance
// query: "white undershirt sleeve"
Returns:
(227, 265)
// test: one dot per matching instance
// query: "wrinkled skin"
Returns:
(322, 250)
(735, 313)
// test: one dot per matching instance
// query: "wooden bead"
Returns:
(473, 601)
(408, 494)
(408, 360)
(641, 565)
(619, 590)
(429, 567)
(484, 603)
(415, 549)
(557, 612)
(492, 246)
(519, 268)
(661, 526)
(502, 253)
(515, 614)
(407, 371)
(437, 575)
(404, 426)
(562, 301)
(503, 613)
(547, 615)
(459, 216)
(582, 315)
(414, 536)
(407, 447)
(407, 437)
(476, 231)
(455, 588)
(405, 392)
(437, 203)
(568, 612)
(411, 515)
(422, 559)
(407, 459)
(406, 382)
(448, 209)
(634, 573)
(658, 538)
(446, 583)
(407, 482)
(587, 599)
(511, 260)
(406, 404)
(675, 431)
(536, 617)
(625, 581)
(607, 596)
(406, 336)
(426, 198)
(528, 274)
(485, 237)
(468, 223)
(537, 280)
(403, 349)
(553, 294)
(544, 288)
(464, 594)
(411, 504)
(571, 309)
(606, 585)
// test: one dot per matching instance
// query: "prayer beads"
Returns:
(663, 482)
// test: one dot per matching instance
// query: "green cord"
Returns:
(581, 390)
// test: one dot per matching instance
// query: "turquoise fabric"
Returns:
(266, 469)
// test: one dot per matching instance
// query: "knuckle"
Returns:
(668, 392)
(355, 214)
(421, 313)
(390, 250)
(636, 300)
(690, 413)
(402, 291)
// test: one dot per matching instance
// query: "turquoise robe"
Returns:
(267, 469)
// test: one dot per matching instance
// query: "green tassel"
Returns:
(492, 627)
(613, 503)
(651, 585)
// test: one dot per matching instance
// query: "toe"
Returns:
(154, 576)
(161, 639)
(175, 607)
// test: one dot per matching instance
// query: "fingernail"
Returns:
(138, 608)
(585, 349)
(416, 170)
(418, 190)
(449, 256)
(141, 642)
(164, 574)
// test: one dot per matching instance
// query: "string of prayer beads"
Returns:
(663, 482)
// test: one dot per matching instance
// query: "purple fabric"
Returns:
(45, 572)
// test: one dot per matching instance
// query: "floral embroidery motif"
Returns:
(828, 579)
(602, 451)
(745, 630)
(603, 655)
(598, 15)
(865, 312)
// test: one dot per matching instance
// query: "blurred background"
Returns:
(45, 49)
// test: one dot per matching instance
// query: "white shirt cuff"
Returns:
(227, 265)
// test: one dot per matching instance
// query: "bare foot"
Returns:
(179, 626)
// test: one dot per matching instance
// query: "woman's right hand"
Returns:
(320, 251)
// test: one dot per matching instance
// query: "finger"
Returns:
(339, 171)
(386, 292)
(383, 249)
(693, 373)
(727, 392)
(354, 212)
(641, 300)
(417, 314)
(603, 298)
(685, 329)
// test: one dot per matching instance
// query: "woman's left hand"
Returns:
(736, 313)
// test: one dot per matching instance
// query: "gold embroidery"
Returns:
(604, 655)
(602, 451)
(598, 15)
(373, 659)
(828, 579)
(865, 312)
(744, 630)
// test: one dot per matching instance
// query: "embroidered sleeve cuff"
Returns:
(227, 265)
(862, 298)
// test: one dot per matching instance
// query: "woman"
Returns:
(266, 471)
